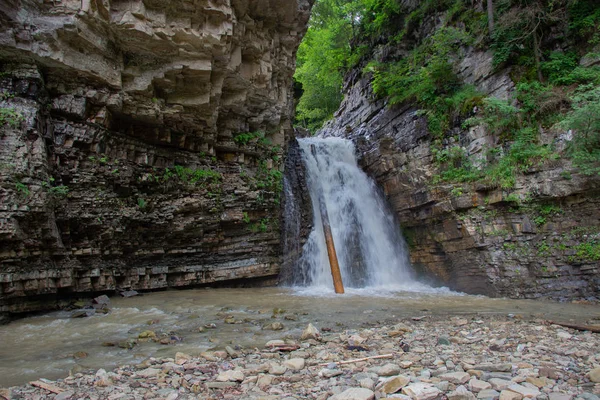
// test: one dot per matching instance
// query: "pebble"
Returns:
(547, 367)
(354, 394)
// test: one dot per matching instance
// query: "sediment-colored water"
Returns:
(53, 344)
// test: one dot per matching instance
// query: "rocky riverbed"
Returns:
(421, 358)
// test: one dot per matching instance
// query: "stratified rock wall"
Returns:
(118, 164)
(470, 237)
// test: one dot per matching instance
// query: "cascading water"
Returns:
(371, 251)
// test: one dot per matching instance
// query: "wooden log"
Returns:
(338, 285)
(359, 359)
(591, 328)
(47, 386)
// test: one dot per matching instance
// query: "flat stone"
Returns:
(493, 367)
(329, 373)
(66, 395)
(456, 377)
(295, 364)
(500, 384)
(276, 369)
(524, 390)
(393, 384)
(559, 396)
(230, 376)
(510, 395)
(421, 391)
(488, 394)
(148, 373)
(538, 382)
(387, 370)
(367, 383)
(477, 385)
(595, 375)
(461, 393)
(220, 385)
(354, 394)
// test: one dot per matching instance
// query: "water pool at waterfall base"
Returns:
(51, 345)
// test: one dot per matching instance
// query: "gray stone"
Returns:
(387, 370)
(421, 391)
(354, 394)
(488, 394)
(393, 384)
(461, 393)
(455, 377)
(295, 364)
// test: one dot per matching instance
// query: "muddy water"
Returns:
(49, 345)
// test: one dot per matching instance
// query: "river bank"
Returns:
(426, 357)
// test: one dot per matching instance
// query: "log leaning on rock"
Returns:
(338, 285)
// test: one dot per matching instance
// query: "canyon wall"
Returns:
(141, 143)
(537, 239)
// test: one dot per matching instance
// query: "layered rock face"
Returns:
(119, 164)
(532, 241)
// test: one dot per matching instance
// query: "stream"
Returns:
(51, 345)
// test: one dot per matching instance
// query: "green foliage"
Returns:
(588, 251)
(322, 58)
(22, 189)
(584, 120)
(245, 217)
(244, 138)
(141, 203)
(584, 20)
(8, 116)
(192, 176)
(260, 226)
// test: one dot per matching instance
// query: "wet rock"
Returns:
(128, 293)
(147, 335)
(82, 313)
(102, 378)
(354, 394)
(101, 300)
(274, 326)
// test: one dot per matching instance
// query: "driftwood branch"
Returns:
(358, 360)
(590, 328)
(47, 386)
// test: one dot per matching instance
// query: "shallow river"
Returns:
(53, 344)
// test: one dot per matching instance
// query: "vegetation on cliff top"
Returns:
(411, 56)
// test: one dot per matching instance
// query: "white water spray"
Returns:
(370, 248)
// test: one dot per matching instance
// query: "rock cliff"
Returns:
(140, 143)
(533, 240)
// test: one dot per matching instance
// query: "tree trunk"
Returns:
(537, 56)
(490, 13)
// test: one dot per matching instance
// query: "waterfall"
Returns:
(370, 248)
